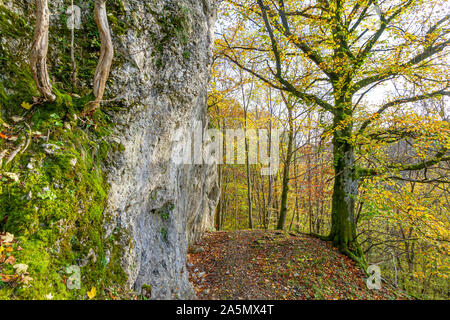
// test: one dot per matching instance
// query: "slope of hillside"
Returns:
(276, 265)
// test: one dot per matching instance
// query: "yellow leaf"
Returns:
(26, 105)
(91, 294)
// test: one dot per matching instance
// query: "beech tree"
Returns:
(347, 51)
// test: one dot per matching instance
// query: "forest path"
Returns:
(261, 264)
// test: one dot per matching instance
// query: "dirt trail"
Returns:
(275, 265)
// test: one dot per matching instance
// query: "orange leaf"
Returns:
(8, 278)
(11, 260)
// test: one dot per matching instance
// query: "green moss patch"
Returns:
(53, 188)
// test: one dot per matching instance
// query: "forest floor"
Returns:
(261, 264)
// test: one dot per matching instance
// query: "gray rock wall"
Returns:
(161, 206)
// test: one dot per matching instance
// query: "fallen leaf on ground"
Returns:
(8, 277)
(20, 268)
(92, 293)
(16, 119)
(8, 237)
(11, 260)
(26, 105)
(26, 279)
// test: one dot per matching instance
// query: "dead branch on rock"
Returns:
(15, 152)
(3, 153)
(38, 58)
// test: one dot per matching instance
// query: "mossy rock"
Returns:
(56, 206)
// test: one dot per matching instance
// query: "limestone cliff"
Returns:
(163, 205)
(105, 194)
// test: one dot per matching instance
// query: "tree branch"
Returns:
(428, 52)
(401, 101)
(439, 157)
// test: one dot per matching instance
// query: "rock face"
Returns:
(159, 85)
(161, 206)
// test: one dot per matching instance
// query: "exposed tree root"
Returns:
(90, 108)
(106, 56)
(19, 150)
(14, 153)
(324, 238)
(38, 57)
(356, 254)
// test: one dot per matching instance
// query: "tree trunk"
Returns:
(249, 183)
(343, 227)
(106, 55)
(285, 189)
(72, 47)
(296, 194)
(224, 206)
(219, 214)
(264, 208)
(270, 183)
(309, 176)
(217, 222)
(235, 202)
(38, 57)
